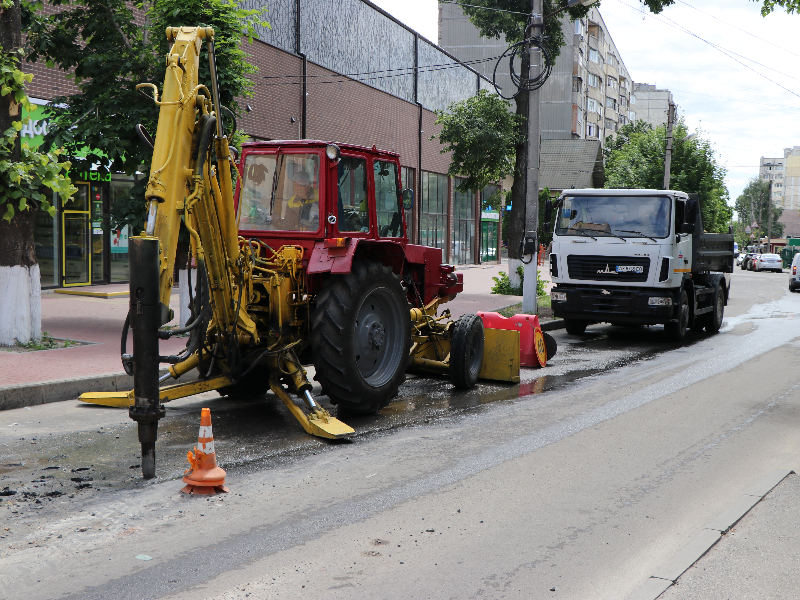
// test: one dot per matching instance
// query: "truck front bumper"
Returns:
(623, 305)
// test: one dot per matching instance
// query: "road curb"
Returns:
(668, 573)
(58, 390)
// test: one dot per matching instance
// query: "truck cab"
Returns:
(627, 256)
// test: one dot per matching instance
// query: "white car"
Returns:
(794, 273)
(768, 262)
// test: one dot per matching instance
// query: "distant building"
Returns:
(773, 169)
(652, 105)
(588, 95)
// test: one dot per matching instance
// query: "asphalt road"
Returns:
(576, 484)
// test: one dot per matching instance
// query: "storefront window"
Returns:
(45, 235)
(433, 210)
(119, 190)
(463, 251)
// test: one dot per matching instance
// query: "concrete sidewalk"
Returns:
(30, 378)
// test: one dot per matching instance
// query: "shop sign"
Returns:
(491, 215)
(35, 129)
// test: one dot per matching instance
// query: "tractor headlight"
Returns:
(332, 152)
(560, 296)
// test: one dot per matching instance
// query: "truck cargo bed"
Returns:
(712, 252)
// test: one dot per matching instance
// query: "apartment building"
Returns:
(652, 104)
(589, 92)
(775, 171)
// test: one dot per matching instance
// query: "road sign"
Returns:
(747, 229)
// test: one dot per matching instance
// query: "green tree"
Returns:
(511, 25)
(753, 205)
(636, 160)
(482, 134)
(25, 178)
(102, 48)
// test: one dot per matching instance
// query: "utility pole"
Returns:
(530, 269)
(668, 154)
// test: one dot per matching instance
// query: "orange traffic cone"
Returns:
(205, 477)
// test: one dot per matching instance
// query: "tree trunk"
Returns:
(20, 284)
(516, 223)
(10, 39)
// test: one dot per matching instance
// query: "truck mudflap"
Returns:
(613, 305)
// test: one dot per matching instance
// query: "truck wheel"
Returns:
(361, 337)
(466, 351)
(714, 322)
(677, 331)
(575, 327)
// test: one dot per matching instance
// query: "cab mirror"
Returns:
(408, 198)
(687, 228)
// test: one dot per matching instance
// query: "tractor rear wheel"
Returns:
(361, 337)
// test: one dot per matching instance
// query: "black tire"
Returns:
(574, 326)
(676, 331)
(466, 351)
(361, 337)
(551, 345)
(714, 318)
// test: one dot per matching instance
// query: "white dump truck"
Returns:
(637, 257)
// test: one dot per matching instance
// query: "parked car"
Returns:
(768, 262)
(739, 259)
(794, 274)
(747, 264)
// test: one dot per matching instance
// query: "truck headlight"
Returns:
(562, 296)
(659, 301)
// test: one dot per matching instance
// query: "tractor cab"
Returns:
(310, 190)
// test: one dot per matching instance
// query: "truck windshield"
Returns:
(280, 193)
(646, 216)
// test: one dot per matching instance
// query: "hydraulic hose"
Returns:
(203, 146)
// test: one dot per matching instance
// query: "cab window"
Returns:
(280, 193)
(388, 199)
(353, 205)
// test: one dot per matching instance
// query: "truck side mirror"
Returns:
(548, 212)
(687, 228)
(408, 198)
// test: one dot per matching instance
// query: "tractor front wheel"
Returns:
(361, 337)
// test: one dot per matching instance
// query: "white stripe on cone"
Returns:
(205, 432)
(207, 448)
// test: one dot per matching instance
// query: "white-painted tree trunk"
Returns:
(20, 305)
(531, 271)
(183, 293)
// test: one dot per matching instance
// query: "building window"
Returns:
(612, 83)
(591, 130)
(632, 115)
(594, 80)
(633, 99)
(433, 210)
(611, 60)
(592, 105)
(594, 56)
(611, 103)
(577, 85)
(463, 250)
(610, 125)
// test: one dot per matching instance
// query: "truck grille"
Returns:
(608, 268)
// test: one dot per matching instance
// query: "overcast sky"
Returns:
(743, 95)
